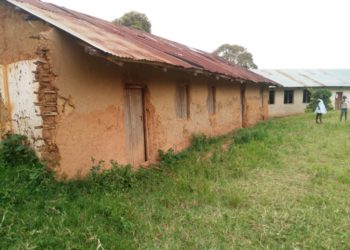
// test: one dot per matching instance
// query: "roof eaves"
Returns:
(191, 61)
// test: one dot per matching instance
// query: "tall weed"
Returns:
(15, 150)
(117, 177)
(25, 174)
(244, 136)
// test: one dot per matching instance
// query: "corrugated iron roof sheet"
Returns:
(125, 43)
(308, 77)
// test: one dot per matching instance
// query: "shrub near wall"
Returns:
(315, 94)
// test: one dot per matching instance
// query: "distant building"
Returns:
(293, 95)
(80, 88)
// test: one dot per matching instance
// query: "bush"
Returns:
(169, 157)
(315, 94)
(25, 174)
(117, 177)
(201, 142)
(15, 150)
(246, 135)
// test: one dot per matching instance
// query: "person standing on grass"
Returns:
(344, 108)
(320, 110)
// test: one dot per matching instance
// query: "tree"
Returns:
(325, 95)
(135, 20)
(236, 54)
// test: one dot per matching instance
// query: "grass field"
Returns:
(283, 184)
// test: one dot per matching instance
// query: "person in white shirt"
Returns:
(344, 108)
(320, 110)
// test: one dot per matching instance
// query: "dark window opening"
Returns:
(271, 97)
(288, 96)
(306, 96)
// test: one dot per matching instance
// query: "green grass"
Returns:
(283, 184)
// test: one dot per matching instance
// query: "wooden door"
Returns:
(338, 99)
(243, 106)
(135, 126)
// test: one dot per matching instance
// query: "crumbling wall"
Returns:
(90, 120)
(32, 97)
(47, 102)
(81, 98)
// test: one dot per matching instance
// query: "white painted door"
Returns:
(22, 88)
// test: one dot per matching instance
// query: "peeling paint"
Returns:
(22, 90)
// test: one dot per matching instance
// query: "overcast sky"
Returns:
(279, 33)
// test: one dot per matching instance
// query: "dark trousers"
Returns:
(318, 118)
(343, 112)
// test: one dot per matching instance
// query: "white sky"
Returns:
(279, 33)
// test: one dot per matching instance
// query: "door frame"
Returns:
(337, 104)
(243, 105)
(144, 121)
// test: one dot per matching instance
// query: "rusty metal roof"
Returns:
(308, 77)
(130, 44)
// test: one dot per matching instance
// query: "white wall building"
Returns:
(293, 95)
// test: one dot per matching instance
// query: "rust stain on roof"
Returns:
(125, 43)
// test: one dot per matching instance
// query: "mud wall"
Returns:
(91, 107)
(28, 81)
(19, 35)
(82, 99)
(256, 104)
(91, 124)
(167, 131)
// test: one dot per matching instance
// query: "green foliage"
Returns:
(169, 157)
(15, 150)
(315, 94)
(115, 178)
(278, 177)
(26, 172)
(136, 20)
(199, 143)
(22, 181)
(236, 54)
(244, 136)
(202, 142)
